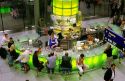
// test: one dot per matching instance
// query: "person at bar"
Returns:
(80, 65)
(11, 41)
(51, 63)
(36, 62)
(108, 52)
(52, 42)
(5, 39)
(66, 63)
(24, 58)
(90, 39)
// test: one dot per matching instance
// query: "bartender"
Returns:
(52, 42)
(71, 33)
(90, 39)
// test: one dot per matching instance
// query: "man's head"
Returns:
(6, 35)
(113, 66)
(66, 54)
(52, 54)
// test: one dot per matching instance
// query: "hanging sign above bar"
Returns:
(114, 39)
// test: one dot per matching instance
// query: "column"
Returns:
(36, 12)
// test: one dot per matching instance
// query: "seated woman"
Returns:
(23, 59)
(66, 63)
(80, 65)
(36, 62)
(12, 55)
(12, 51)
(53, 42)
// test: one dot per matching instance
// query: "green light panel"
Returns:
(92, 62)
(65, 7)
(4, 10)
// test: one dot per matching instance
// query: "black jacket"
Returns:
(108, 52)
(66, 62)
(108, 74)
(35, 61)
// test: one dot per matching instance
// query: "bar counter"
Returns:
(94, 58)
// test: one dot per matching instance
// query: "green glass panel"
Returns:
(100, 60)
(74, 3)
(65, 7)
(95, 60)
(54, 2)
(91, 62)
(88, 62)
(67, 4)
(66, 12)
(74, 11)
(115, 51)
(104, 57)
(58, 11)
(74, 63)
(4, 10)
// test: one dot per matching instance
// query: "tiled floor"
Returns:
(11, 74)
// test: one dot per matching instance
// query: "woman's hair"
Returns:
(35, 53)
(81, 55)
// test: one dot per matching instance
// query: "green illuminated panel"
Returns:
(5, 10)
(91, 62)
(54, 10)
(58, 11)
(74, 63)
(67, 4)
(58, 4)
(115, 51)
(65, 7)
(74, 3)
(66, 12)
(74, 10)
(88, 62)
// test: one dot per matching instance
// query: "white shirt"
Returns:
(24, 57)
(113, 74)
(3, 41)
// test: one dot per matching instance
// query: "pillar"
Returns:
(36, 12)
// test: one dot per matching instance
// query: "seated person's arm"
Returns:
(19, 58)
(56, 44)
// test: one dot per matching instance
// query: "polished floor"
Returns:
(11, 74)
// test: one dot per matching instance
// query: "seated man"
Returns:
(66, 63)
(53, 42)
